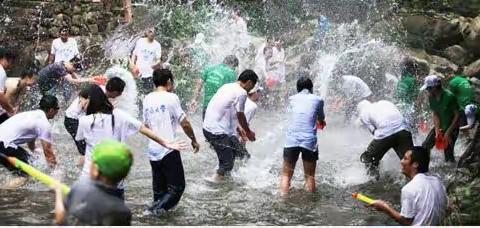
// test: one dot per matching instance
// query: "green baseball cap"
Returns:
(113, 159)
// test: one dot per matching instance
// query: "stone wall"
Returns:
(29, 26)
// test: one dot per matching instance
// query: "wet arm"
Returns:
(5, 103)
(436, 122)
(198, 89)
(151, 135)
(242, 120)
(48, 151)
(454, 123)
(59, 207)
(72, 79)
(394, 214)
(187, 128)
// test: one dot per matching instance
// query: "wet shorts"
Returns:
(291, 154)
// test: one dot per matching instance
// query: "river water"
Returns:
(251, 196)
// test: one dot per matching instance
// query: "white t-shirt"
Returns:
(355, 88)
(382, 118)
(75, 111)
(425, 200)
(64, 51)
(221, 113)
(148, 53)
(162, 113)
(3, 80)
(95, 128)
(25, 127)
(250, 109)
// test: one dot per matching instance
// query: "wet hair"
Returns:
(237, 11)
(115, 84)
(304, 82)
(98, 101)
(7, 54)
(231, 60)
(421, 156)
(248, 75)
(28, 73)
(77, 63)
(48, 102)
(84, 92)
(65, 29)
(408, 67)
(161, 77)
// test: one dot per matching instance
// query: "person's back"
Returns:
(220, 114)
(22, 127)
(429, 200)
(304, 108)
(161, 112)
(214, 78)
(95, 204)
(463, 91)
(386, 118)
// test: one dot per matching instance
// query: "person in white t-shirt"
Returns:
(77, 108)
(352, 90)
(424, 198)
(26, 127)
(102, 121)
(224, 109)
(162, 113)
(145, 57)
(64, 48)
(250, 110)
(389, 129)
(7, 58)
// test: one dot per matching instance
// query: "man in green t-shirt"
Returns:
(445, 116)
(463, 91)
(407, 93)
(212, 79)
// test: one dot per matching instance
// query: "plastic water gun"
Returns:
(363, 198)
(35, 173)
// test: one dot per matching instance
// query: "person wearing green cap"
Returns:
(163, 113)
(212, 79)
(94, 202)
(102, 121)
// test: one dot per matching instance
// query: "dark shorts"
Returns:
(227, 150)
(291, 154)
(72, 126)
(18, 153)
(4, 117)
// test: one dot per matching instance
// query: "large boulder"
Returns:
(473, 70)
(433, 34)
(471, 36)
(458, 55)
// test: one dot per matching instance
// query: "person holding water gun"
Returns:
(445, 117)
(424, 198)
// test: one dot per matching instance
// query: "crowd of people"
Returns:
(100, 129)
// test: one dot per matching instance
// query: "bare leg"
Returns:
(309, 172)
(287, 173)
